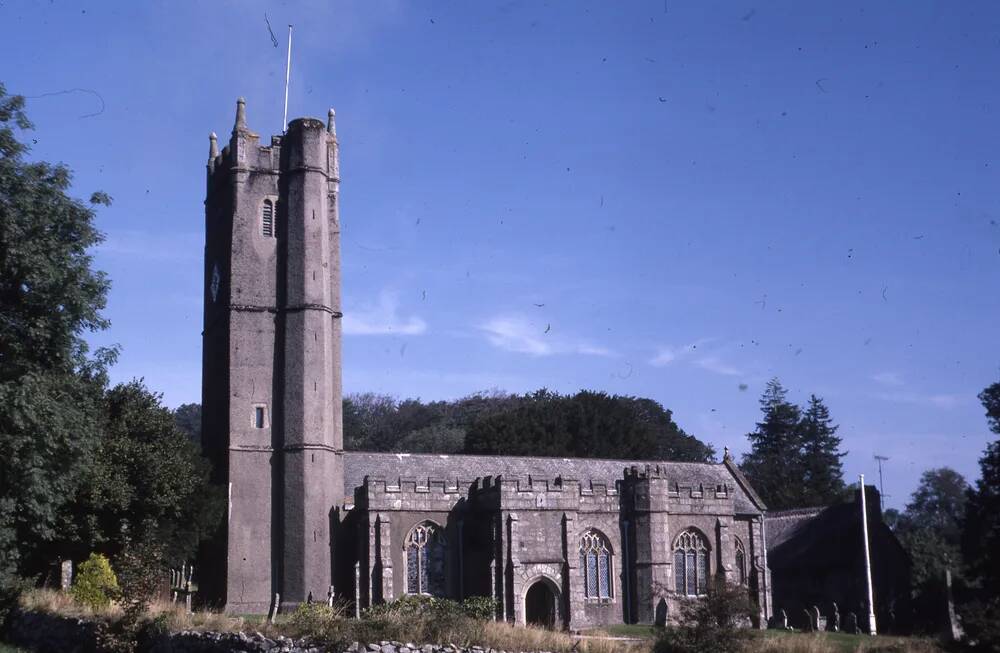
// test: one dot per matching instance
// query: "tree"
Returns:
(50, 388)
(586, 425)
(187, 417)
(794, 457)
(823, 481)
(774, 463)
(148, 483)
(981, 532)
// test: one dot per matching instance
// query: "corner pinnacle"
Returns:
(213, 146)
(241, 115)
(331, 121)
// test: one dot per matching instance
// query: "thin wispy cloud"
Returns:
(718, 366)
(690, 353)
(667, 355)
(517, 334)
(936, 400)
(382, 319)
(893, 379)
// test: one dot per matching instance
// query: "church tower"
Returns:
(271, 362)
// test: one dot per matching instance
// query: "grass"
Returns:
(778, 641)
(637, 631)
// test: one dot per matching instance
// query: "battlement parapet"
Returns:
(379, 485)
(656, 474)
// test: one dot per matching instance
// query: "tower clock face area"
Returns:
(213, 285)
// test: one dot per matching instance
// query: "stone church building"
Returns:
(570, 543)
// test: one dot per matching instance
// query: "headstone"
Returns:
(273, 612)
(818, 620)
(851, 624)
(784, 620)
(329, 597)
(834, 622)
(809, 625)
(65, 574)
(955, 631)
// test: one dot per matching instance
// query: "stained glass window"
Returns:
(595, 564)
(690, 564)
(741, 563)
(426, 552)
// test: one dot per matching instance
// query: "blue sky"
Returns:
(672, 200)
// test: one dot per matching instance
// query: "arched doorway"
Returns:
(540, 605)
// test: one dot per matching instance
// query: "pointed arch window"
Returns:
(267, 219)
(426, 551)
(741, 562)
(595, 565)
(690, 563)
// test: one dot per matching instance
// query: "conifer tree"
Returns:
(775, 455)
(823, 482)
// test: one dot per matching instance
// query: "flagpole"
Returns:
(288, 70)
(868, 562)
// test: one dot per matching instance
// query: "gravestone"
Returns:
(818, 621)
(834, 622)
(851, 625)
(809, 625)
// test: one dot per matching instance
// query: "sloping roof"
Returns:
(813, 537)
(467, 468)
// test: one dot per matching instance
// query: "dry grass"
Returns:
(509, 637)
(779, 642)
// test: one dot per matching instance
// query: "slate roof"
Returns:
(813, 537)
(467, 468)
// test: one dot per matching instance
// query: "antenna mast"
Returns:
(288, 70)
(881, 486)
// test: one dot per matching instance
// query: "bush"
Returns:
(483, 608)
(717, 622)
(321, 623)
(95, 585)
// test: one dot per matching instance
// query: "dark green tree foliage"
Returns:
(50, 388)
(981, 535)
(543, 423)
(187, 417)
(148, 482)
(929, 528)
(794, 460)
(587, 425)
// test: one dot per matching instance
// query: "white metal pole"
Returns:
(288, 70)
(868, 562)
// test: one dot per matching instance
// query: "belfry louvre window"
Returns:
(741, 563)
(426, 551)
(595, 565)
(690, 564)
(267, 219)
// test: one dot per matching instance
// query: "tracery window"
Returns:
(595, 565)
(267, 218)
(741, 563)
(426, 551)
(690, 563)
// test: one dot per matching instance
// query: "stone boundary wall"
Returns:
(43, 632)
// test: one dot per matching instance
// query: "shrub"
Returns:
(480, 607)
(95, 585)
(716, 622)
(321, 623)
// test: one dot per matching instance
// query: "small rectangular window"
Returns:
(258, 417)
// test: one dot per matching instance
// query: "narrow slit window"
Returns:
(267, 219)
(258, 417)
